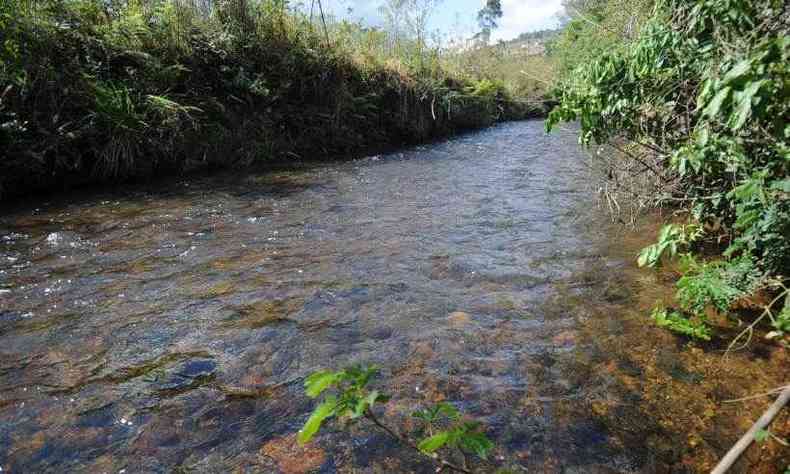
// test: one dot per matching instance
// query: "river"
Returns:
(169, 327)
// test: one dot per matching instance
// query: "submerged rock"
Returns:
(291, 457)
(459, 319)
(565, 338)
(188, 375)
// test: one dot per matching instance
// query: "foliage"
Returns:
(594, 27)
(354, 399)
(488, 17)
(457, 433)
(717, 283)
(670, 239)
(94, 90)
(443, 429)
(704, 88)
(762, 435)
(782, 321)
(675, 321)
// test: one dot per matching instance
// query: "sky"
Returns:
(458, 17)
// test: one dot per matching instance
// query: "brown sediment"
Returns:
(264, 313)
(679, 388)
(291, 457)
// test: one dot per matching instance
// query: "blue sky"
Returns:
(519, 15)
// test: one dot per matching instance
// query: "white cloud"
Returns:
(526, 15)
(519, 15)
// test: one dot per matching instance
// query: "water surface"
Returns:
(171, 326)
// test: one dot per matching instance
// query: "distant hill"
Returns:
(530, 43)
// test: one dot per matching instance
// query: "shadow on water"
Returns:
(169, 328)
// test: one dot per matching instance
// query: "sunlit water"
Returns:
(172, 326)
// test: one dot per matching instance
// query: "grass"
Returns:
(95, 91)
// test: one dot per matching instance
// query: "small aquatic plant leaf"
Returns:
(477, 443)
(363, 404)
(325, 410)
(448, 410)
(678, 323)
(320, 381)
(435, 442)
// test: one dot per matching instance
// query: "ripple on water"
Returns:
(195, 311)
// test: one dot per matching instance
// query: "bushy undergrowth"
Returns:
(93, 90)
(705, 89)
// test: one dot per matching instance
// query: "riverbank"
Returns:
(90, 96)
(680, 404)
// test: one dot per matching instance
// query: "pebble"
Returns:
(459, 319)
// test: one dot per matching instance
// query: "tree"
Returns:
(488, 18)
(408, 19)
(394, 13)
(418, 13)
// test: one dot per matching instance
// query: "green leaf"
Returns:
(743, 109)
(762, 435)
(644, 256)
(448, 410)
(715, 104)
(783, 185)
(361, 375)
(477, 443)
(320, 381)
(435, 442)
(738, 71)
(323, 411)
(364, 403)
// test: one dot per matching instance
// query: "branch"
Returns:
(445, 464)
(752, 397)
(750, 329)
(733, 454)
(323, 21)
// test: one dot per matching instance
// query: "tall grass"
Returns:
(95, 90)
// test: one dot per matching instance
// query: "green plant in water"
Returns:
(782, 321)
(764, 435)
(700, 90)
(717, 284)
(671, 238)
(457, 434)
(444, 433)
(674, 321)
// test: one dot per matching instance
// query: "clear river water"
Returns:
(169, 327)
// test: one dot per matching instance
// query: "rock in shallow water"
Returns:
(291, 457)
(459, 319)
(189, 374)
